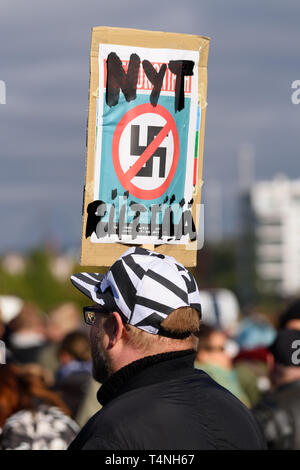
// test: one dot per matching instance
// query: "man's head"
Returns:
(146, 304)
(114, 343)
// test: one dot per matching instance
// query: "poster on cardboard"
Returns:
(144, 157)
(147, 157)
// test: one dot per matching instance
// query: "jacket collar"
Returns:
(147, 371)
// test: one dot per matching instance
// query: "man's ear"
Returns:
(114, 328)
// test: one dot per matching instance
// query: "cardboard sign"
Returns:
(145, 143)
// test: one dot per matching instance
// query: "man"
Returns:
(73, 376)
(145, 314)
(27, 334)
(60, 321)
(279, 410)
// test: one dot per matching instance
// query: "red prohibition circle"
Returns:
(125, 181)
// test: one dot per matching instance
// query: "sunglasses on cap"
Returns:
(89, 314)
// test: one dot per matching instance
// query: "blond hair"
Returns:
(177, 332)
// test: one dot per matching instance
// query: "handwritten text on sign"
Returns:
(118, 79)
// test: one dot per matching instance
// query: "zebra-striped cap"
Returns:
(144, 286)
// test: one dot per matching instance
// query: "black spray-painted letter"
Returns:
(180, 68)
(118, 79)
(156, 78)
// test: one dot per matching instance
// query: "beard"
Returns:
(101, 363)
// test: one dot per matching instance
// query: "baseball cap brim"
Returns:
(88, 284)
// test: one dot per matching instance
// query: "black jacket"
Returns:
(162, 402)
(278, 414)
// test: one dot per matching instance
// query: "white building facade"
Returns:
(276, 207)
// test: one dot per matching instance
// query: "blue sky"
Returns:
(44, 61)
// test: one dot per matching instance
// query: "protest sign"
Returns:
(145, 138)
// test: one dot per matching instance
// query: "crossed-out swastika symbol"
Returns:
(137, 150)
(143, 165)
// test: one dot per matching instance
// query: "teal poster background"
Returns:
(108, 179)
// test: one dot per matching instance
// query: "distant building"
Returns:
(276, 208)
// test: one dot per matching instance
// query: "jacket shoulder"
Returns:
(187, 413)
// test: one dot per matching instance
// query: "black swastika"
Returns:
(137, 150)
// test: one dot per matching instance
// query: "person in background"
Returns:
(27, 334)
(10, 307)
(2, 326)
(74, 373)
(278, 412)
(31, 417)
(221, 311)
(290, 317)
(90, 404)
(213, 358)
(253, 362)
(60, 321)
(2, 344)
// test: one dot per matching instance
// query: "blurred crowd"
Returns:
(47, 392)
(46, 387)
